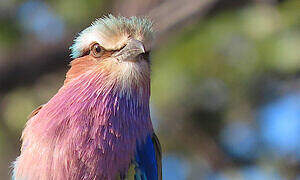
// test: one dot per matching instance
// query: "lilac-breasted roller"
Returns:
(98, 125)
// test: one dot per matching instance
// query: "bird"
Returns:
(98, 125)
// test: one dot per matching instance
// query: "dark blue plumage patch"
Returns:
(145, 159)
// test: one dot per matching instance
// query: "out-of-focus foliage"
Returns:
(230, 78)
(225, 90)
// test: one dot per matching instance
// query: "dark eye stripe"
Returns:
(87, 52)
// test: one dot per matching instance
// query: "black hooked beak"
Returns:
(131, 51)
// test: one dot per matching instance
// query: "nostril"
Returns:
(141, 57)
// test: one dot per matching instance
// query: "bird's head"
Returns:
(118, 47)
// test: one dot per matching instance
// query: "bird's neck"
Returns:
(98, 97)
(110, 96)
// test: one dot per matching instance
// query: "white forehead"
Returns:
(112, 33)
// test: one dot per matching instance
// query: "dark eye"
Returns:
(96, 50)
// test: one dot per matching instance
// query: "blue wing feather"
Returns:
(146, 162)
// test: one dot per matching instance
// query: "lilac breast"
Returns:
(88, 130)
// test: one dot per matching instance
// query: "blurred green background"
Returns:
(225, 79)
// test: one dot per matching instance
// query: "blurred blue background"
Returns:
(225, 79)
